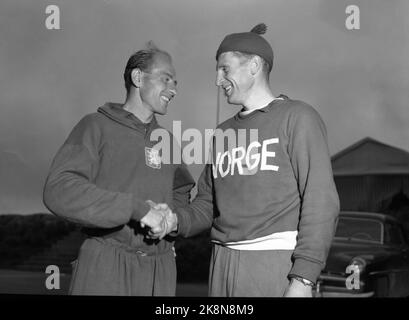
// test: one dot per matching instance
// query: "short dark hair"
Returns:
(142, 60)
(266, 67)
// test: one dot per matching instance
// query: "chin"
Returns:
(162, 112)
(232, 101)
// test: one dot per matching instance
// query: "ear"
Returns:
(136, 76)
(255, 65)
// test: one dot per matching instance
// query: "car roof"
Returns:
(370, 215)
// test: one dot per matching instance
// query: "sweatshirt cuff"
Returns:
(183, 223)
(140, 208)
(305, 269)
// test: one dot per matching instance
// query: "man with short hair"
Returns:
(102, 177)
(271, 203)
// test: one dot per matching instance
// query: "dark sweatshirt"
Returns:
(104, 173)
(291, 188)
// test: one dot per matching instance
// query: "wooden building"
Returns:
(369, 173)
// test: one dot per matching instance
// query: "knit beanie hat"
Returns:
(248, 42)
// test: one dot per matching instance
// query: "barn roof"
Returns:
(369, 156)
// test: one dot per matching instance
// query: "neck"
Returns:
(260, 96)
(134, 105)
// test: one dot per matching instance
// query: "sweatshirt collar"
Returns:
(116, 112)
(265, 109)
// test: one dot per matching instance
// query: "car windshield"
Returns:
(359, 229)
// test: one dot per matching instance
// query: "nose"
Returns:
(219, 79)
(172, 86)
(173, 91)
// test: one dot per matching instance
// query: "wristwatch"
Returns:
(305, 282)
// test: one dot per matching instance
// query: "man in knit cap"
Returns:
(272, 204)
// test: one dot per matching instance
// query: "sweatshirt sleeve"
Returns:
(311, 163)
(70, 190)
(182, 185)
(198, 216)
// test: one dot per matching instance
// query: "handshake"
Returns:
(160, 219)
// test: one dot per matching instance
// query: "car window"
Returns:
(393, 234)
(359, 229)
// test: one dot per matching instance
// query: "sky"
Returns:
(357, 80)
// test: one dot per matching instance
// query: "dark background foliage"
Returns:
(24, 236)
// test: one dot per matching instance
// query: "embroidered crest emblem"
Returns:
(152, 158)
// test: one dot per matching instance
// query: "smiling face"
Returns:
(158, 86)
(234, 77)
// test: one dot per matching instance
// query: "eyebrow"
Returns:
(168, 74)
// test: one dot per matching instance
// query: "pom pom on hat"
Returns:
(248, 42)
(261, 28)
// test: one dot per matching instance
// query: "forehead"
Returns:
(227, 59)
(163, 64)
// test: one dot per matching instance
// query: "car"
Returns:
(369, 257)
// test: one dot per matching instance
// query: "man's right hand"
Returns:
(155, 219)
